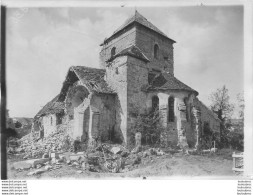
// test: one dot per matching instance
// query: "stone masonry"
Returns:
(136, 73)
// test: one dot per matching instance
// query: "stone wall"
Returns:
(181, 129)
(207, 116)
(137, 76)
(146, 39)
(103, 105)
(120, 42)
(116, 77)
(49, 123)
(75, 96)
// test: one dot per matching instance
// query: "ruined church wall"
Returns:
(49, 123)
(116, 77)
(146, 39)
(120, 42)
(207, 116)
(104, 104)
(137, 76)
(182, 119)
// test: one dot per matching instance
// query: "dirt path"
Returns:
(165, 166)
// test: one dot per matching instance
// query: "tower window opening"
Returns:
(156, 51)
(113, 51)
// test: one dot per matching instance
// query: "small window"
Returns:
(51, 120)
(171, 114)
(113, 51)
(156, 51)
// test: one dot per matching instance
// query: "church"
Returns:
(136, 73)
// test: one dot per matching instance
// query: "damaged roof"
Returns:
(51, 107)
(131, 51)
(138, 18)
(166, 81)
(91, 78)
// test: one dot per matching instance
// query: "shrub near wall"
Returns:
(149, 127)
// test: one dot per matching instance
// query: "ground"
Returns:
(169, 165)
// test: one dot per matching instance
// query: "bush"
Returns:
(149, 127)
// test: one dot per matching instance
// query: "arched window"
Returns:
(155, 103)
(113, 51)
(171, 114)
(156, 51)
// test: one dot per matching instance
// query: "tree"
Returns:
(241, 105)
(223, 108)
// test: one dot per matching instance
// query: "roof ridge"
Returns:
(140, 19)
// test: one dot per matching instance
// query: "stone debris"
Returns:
(116, 150)
(32, 147)
(36, 172)
(51, 155)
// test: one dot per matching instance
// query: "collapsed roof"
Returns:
(51, 107)
(91, 78)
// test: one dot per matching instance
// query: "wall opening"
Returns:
(156, 51)
(171, 113)
(113, 51)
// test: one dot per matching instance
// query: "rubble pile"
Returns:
(105, 158)
(32, 147)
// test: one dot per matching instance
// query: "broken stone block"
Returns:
(19, 150)
(38, 166)
(23, 165)
(48, 167)
(79, 171)
(45, 155)
(137, 149)
(68, 162)
(74, 157)
(115, 150)
(75, 163)
(124, 154)
(39, 171)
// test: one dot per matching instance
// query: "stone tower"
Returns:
(131, 56)
(138, 31)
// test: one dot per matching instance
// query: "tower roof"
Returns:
(138, 18)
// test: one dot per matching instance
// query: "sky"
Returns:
(42, 43)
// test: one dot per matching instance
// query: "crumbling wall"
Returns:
(180, 131)
(49, 123)
(103, 122)
(207, 116)
(75, 96)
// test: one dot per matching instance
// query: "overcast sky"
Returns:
(42, 43)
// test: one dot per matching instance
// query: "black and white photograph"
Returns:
(128, 91)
